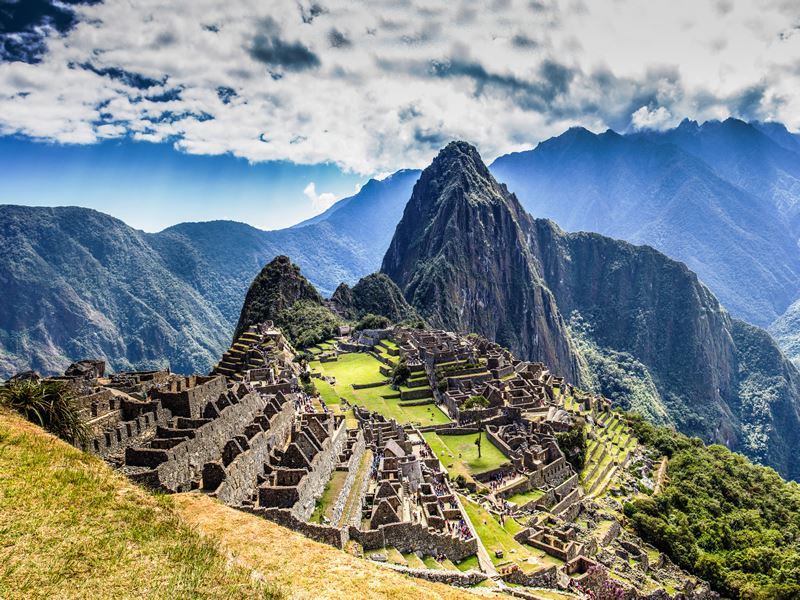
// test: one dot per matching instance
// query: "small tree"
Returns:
(478, 401)
(401, 373)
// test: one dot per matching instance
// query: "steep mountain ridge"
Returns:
(460, 256)
(79, 283)
(745, 156)
(714, 377)
(374, 294)
(278, 286)
(649, 192)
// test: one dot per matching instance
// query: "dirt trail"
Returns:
(661, 475)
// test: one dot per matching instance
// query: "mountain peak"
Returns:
(461, 247)
(278, 286)
(458, 156)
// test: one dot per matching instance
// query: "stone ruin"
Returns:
(249, 436)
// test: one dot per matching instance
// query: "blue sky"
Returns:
(163, 111)
(152, 186)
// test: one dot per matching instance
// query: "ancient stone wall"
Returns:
(128, 433)
(191, 401)
(416, 393)
(174, 469)
(357, 453)
(545, 578)
(457, 578)
(325, 534)
(322, 465)
(611, 534)
(414, 537)
(241, 475)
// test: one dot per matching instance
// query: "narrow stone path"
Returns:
(661, 475)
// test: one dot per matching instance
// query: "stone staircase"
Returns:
(242, 356)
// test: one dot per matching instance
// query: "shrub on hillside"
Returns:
(478, 401)
(49, 404)
(733, 523)
(573, 444)
(401, 373)
(306, 324)
(370, 321)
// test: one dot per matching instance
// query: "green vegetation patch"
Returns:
(362, 368)
(307, 323)
(525, 497)
(329, 496)
(471, 562)
(327, 392)
(495, 537)
(731, 522)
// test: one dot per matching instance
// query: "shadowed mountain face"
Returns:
(642, 328)
(77, 283)
(748, 156)
(650, 189)
(460, 255)
(374, 294)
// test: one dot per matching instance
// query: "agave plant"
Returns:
(50, 404)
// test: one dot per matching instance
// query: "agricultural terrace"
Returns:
(362, 368)
(606, 455)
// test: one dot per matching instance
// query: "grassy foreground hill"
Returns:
(71, 527)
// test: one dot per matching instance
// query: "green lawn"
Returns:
(71, 527)
(358, 367)
(524, 498)
(459, 453)
(494, 538)
(471, 562)
(362, 368)
(327, 392)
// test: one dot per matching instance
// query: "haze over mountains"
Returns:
(684, 192)
(79, 283)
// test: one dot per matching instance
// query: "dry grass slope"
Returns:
(305, 568)
(71, 527)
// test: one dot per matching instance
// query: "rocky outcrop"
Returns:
(277, 287)
(460, 254)
(374, 294)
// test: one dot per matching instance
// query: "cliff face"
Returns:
(646, 190)
(636, 300)
(469, 258)
(461, 257)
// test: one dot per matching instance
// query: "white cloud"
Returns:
(658, 118)
(319, 202)
(377, 85)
